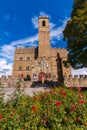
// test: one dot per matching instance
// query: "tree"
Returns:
(77, 4)
(75, 33)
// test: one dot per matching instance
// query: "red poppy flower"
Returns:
(81, 102)
(73, 107)
(44, 121)
(58, 103)
(80, 96)
(35, 98)
(79, 89)
(64, 94)
(61, 91)
(78, 119)
(34, 108)
(13, 112)
(0, 116)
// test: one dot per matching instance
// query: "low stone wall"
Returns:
(76, 81)
(10, 82)
(68, 80)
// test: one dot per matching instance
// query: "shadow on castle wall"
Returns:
(59, 69)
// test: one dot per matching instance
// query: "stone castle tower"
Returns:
(44, 37)
(43, 61)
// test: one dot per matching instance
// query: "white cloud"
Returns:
(7, 48)
(52, 25)
(44, 14)
(7, 51)
(5, 68)
(34, 21)
(57, 32)
(2, 63)
(82, 71)
(7, 54)
(29, 40)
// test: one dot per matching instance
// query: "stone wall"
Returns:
(76, 81)
(68, 81)
(10, 82)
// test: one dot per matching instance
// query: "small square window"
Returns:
(20, 58)
(27, 58)
(27, 68)
(20, 68)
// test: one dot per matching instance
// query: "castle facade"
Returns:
(43, 61)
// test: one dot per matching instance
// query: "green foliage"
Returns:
(1, 94)
(76, 35)
(58, 109)
(20, 81)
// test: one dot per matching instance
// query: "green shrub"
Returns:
(57, 109)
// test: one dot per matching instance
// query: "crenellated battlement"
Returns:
(22, 50)
(68, 81)
(8, 81)
(11, 82)
(63, 52)
(76, 81)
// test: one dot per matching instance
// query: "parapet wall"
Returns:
(76, 81)
(62, 52)
(10, 82)
(24, 50)
(68, 81)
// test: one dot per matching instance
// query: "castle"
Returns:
(43, 61)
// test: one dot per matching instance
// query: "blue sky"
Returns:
(19, 25)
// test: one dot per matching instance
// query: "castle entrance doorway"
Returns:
(42, 75)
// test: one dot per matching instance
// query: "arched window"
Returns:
(46, 65)
(43, 23)
(20, 58)
(27, 68)
(27, 58)
(20, 68)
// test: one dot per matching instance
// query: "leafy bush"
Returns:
(57, 109)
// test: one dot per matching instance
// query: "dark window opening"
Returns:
(28, 58)
(27, 68)
(39, 63)
(20, 68)
(20, 58)
(28, 78)
(43, 23)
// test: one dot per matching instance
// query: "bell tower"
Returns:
(44, 37)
